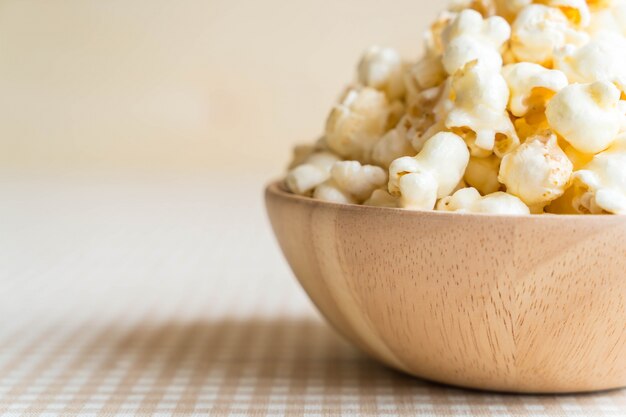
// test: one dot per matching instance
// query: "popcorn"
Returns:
(427, 73)
(470, 38)
(482, 174)
(469, 200)
(419, 181)
(601, 186)
(577, 11)
(531, 86)
(586, 115)
(484, 7)
(392, 146)
(537, 172)
(383, 69)
(603, 59)
(457, 131)
(480, 98)
(510, 8)
(314, 170)
(538, 30)
(382, 198)
(530, 125)
(358, 180)
(610, 18)
(351, 182)
(357, 122)
(433, 38)
(331, 192)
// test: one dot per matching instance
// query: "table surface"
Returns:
(170, 297)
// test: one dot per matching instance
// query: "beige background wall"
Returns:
(185, 84)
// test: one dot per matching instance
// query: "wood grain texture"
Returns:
(517, 304)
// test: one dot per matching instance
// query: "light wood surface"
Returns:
(519, 304)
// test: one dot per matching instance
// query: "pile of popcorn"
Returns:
(517, 107)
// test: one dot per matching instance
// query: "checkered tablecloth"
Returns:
(169, 297)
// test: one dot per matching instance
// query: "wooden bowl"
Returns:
(533, 304)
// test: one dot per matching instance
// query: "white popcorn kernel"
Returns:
(393, 145)
(537, 172)
(469, 200)
(587, 116)
(538, 30)
(480, 97)
(531, 85)
(382, 198)
(426, 73)
(419, 191)
(433, 38)
(314, 170)
(577, 11)
(484, 7)
(357, 122)
(482, 174)
(358, 180)
(383, 69)
(424, 117)
(600, 187)
(509, 9)
(433, 173)
(610, 18)
(470, 38)
(331, 192)
(603, 59)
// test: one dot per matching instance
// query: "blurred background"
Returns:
(181, 86)
(135, 140)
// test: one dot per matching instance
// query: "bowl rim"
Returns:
(277, 189)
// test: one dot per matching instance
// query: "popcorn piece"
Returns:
(433, 38)
(469, 200)
(586, 115)
(424, 117)
(537, 172)
(531, 86)
(383, 69)
(382, 198)
(484, 7)
(427, 73)
(395, 144)
(421, 180)
(482, 174)
(577, 11)
(331, 192)
(538, 30)
(608, 18)
(603, 59)
(470, 38)
(357, 122)
(480, 97)
(359, 181)
(510, 8)
(601, 187)
(314, 170)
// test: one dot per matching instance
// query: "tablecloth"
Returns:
(168, 296)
